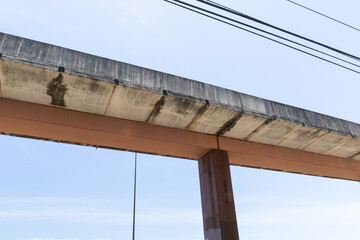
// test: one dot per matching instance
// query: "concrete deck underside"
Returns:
(178, 117)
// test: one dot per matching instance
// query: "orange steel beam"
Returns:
(59, 124)
(264, 156)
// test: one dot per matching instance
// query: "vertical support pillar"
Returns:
(217, 198)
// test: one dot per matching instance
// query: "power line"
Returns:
(230, 10)
(192, 7)
(269, 33)
(312, 10)
(133, 232)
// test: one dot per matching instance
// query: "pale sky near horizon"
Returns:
(53, 191)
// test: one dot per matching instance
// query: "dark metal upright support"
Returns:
(217, 197)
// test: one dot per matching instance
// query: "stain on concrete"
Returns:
(94, 87)
(355, 156)
(56, 90)
(198, 115)
(302, 137)
(159, 104)
(183, 105)
(258, 129)
(229, 125)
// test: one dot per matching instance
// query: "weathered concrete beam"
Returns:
(34, 52)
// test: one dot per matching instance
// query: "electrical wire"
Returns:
(230, 10)
(269, 33)
(133, 232)
(324, 15)
(192, 7)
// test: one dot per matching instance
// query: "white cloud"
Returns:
(56, 239)
(147, 216)
(169, 216)
(297, 212)
(74, 214)
(44, 239)
(315, 213)
(46, 200)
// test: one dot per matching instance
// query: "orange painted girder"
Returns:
(59, 124)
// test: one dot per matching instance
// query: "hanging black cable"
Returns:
(260, 35)
(269, 33)
(133, 232)
(229, 10)
(312, 10)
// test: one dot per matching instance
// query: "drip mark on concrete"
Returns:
(229, 125)
(258, 129)
(198, 115)
(56, 90)
(159, 104)
(355, 155)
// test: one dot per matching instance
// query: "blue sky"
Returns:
(52, 191)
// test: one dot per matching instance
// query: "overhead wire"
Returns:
(230, 10)
(269, 33)
(192, 8)
(134, 203)
(324, 15)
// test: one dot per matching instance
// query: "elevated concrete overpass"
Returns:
(53, 93)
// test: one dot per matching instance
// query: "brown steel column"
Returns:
(217, 197)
